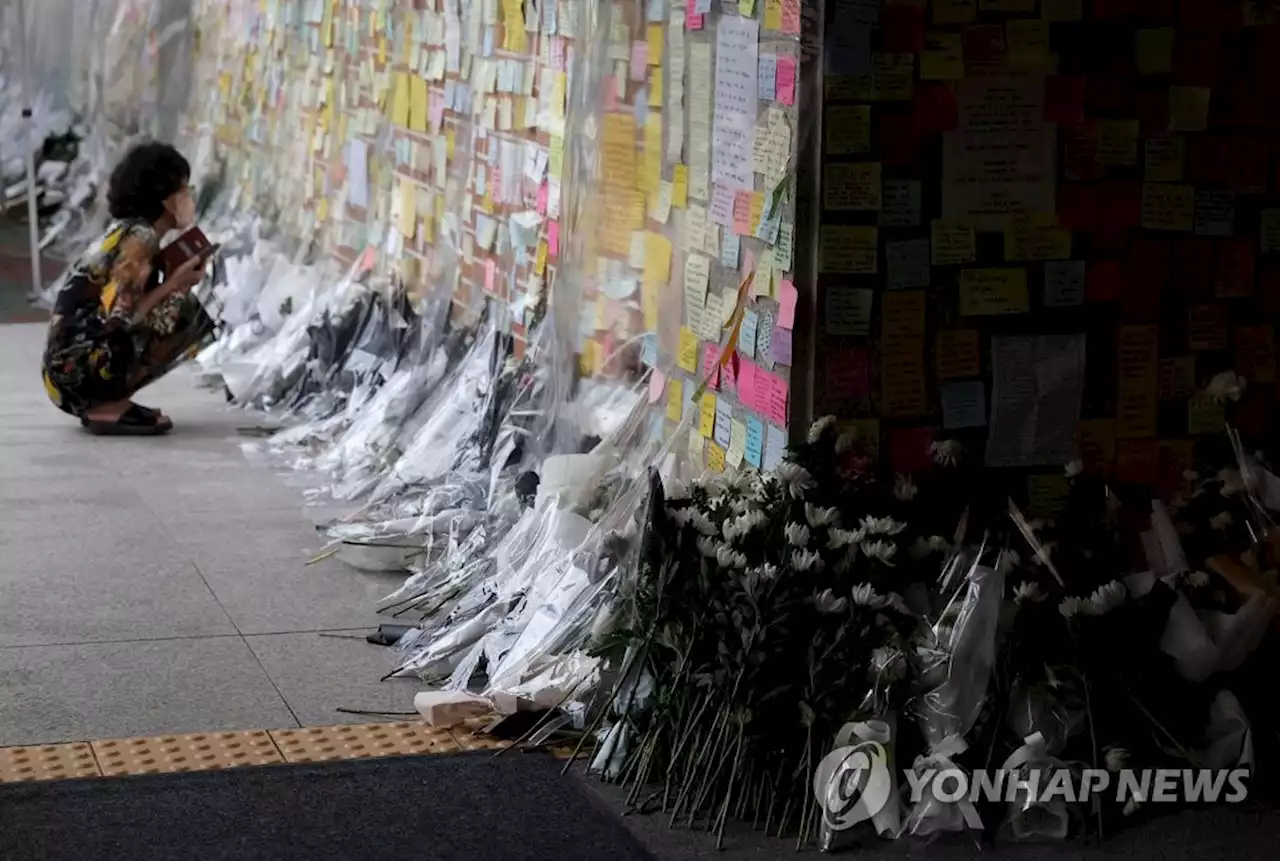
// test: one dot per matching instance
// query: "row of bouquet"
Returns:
(808, 649)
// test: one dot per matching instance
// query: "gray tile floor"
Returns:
(152, 586)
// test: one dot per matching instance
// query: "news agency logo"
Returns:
(852, 784)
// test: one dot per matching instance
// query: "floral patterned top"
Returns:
(105, 285)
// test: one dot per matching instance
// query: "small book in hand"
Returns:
(193, 243)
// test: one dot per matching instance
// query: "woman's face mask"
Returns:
(182, 207)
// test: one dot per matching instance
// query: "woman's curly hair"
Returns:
(147, 176)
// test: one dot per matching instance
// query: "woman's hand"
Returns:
(186, 276)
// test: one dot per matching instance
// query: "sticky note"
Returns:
(786, 82)
(1153, 51)
(964, 405)
(942, 58)
(852, 187)
(1168, 206)
(680, 186)
(993, 291)
(900, 203)
(1028, 44)
(767, 77)
(737, 444)
(907, 263)
(707, 415)
(848, 250)
(1064, 283)
(747, 333)
(687, 355)
(775, 445)
(847, 310)
(780, 347)
(657, 384)
(754, 444)
(953, 243)
(675, 401)
(1165, 159)
(787, 296)
(848, 374)
(724, 422)
(715, 457)
(848, 129)
(1188, 109)
(958, 355)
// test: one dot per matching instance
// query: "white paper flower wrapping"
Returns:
(1031, 818)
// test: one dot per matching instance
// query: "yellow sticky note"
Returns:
(555, 157)
(322, 211)
(687, 357)
(540, 264)
(715, 458)
(707, 415)
(680, 186)
(1168, 206)
(558, 90)
(655, 89)
(993, 291)
(848, 250)
(747, 8)
(757, 210)
(737, 443)
(400, 103)
(848, 128)
(773, 14)
(657, 259)
(408, 209)
(649, 298)
(675, 400)
(1028, 41)
(655, 44)
(1165, 158)
(1153, 51)
(942, 60)
(1036, 237)
(1189, 109)
(852, 187)
(953, 243)
(417, 104)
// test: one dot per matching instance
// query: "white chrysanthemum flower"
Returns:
(740, 504)
(676, 490)
(837, 538)
(701, 522)
(1071, 607)
(797, 534)
(881, 550)
(924, 547)
(946, 452)
(797, 479)
(1232, 482)
(818, 428)
(882, 525)
(708, 547)
(1009, 560)
(1106, 598)
(1226, 386)
(904, 488)
(1199, 579)
(729, 558)
(1028, 590)
(865, 595)
(820, 516)
(1074, 468)
(680, 517)
(743, 524)
(1221, 521)
(736, 482)
(767, 571)
(806, 560)
(826, 602)
(1116, 759)
(845, 441)
(714, 484)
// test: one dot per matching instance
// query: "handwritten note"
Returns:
(953, 243)
(1165, 158)
(675, 401)
(1037, 387)
(737, 444)
(964, 405)
(1215, 213)
(687, 355)
(1064, 283)
(755, 442)
(848, 310)
(852, 187)
(1189, 109)
(848, 130)
(1255, 353)
(993, 291)
(958, 355)
(900, 203)
(1269, 231)
(736, 96)
(1167, 206)
(908, 264)
(943, 57)
(1138, 394)
(1035, 237)
(847, 250)
(724, 422)
(786, 83)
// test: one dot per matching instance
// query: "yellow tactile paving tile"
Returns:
(205, 751)
(362, 741)
(47, 762)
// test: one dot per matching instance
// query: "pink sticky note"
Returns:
(742, 213)
(657, 385)
(639, 60)
(786, 79)
(711, 355)
(542, 199)
(747, 384)
(610, 90)
(787, 295)
(367, 260)
(436, 111)
(791, 17)
(490, 275)
(557, 54)
(692, 19)
(773, 395)
(553, 239)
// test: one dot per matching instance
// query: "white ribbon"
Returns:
(1175, 559)
(888, 820)
(1028, 818)
(930, 814)
(1230, 736)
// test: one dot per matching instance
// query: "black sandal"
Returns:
(136, 421)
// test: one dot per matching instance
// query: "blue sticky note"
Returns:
(755, 441)
(657, 426)
(730, 249)
(654, 12)
(649, 349)
(724, 422)
(1064, 282)
(747, 334)
(964, 405)
(487, 51)
(767, 76)
(775, 445)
